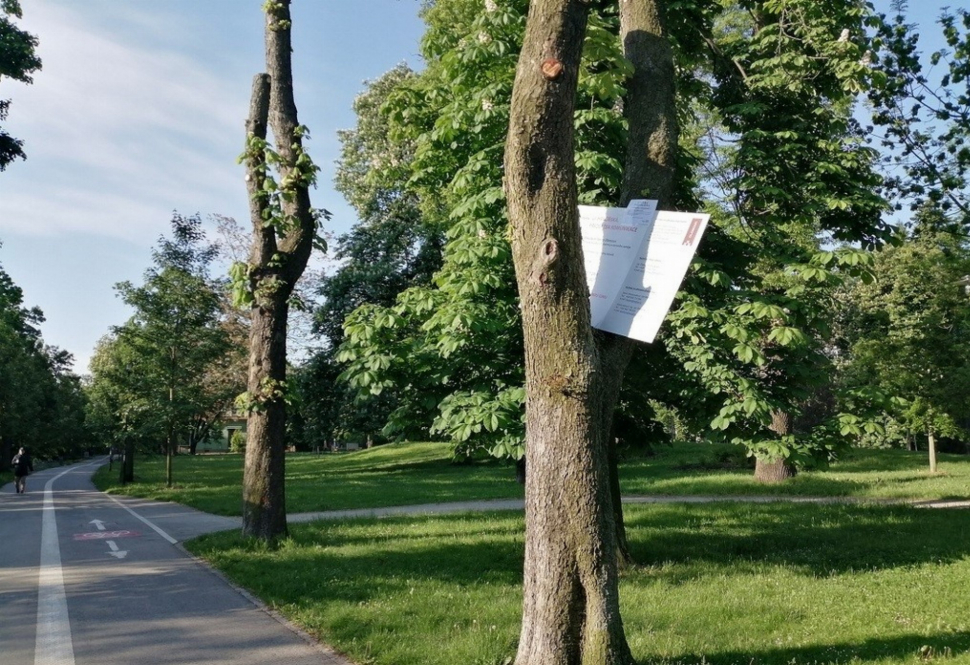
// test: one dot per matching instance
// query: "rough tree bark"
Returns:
(776, 470)
(571, 603)
(281, 248)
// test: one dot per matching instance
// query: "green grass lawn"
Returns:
(414, 473)
(393, 475)
(892, 474)
(717, 584)
(721, 584)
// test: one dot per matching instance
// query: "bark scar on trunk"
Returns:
(551, 69)
(548, 256)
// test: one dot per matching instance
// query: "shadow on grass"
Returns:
(359, 574)
(816, 540)
(918, 648)
(360, 560)
(865, 461)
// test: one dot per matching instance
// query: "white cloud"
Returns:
(117, 135)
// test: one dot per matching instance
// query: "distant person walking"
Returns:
(22, 467)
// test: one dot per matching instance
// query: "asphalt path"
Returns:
(88, 579)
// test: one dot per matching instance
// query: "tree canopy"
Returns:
(18, 60)
(41, 401)
(170, 371)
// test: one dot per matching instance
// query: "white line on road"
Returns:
(53, 645)
(97, 523)
(157, 529)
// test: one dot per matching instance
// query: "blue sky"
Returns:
(139, 111)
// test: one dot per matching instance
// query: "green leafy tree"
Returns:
(176, 333)
(452, 350)
(908, 331)
(388, 251)
(41, 406)
(18, 61)
(790, 174)
(449, 344)
(924, 113)
(120, 409)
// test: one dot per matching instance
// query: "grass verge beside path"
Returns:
(721, 584)
(415, 473)
(393, 475)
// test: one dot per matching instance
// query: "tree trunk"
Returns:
(773, 471)
(264, 491)
(520, 470)
(779, 469)
(169, 445)
(931, 444)
(651, 114)
(623, 556)
(126, 473)
(571, 601)
(281, 247)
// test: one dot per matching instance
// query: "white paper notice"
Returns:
(612, 238)
(634, 267)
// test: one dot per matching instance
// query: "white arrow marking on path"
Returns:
(115, 552)
(99, 524)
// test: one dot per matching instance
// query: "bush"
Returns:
(237, 443)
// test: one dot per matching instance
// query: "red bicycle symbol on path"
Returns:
(105, 535)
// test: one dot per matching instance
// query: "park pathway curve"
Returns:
(519, 504)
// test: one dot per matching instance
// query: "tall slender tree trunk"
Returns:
(281, 247)
(931, 444)
(778, 469)
(571, 601)
(170, 438)
(169, 443)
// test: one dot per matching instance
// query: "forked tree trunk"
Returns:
(571, 602)
(281, 248)
(779, 469)
(571, 611)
